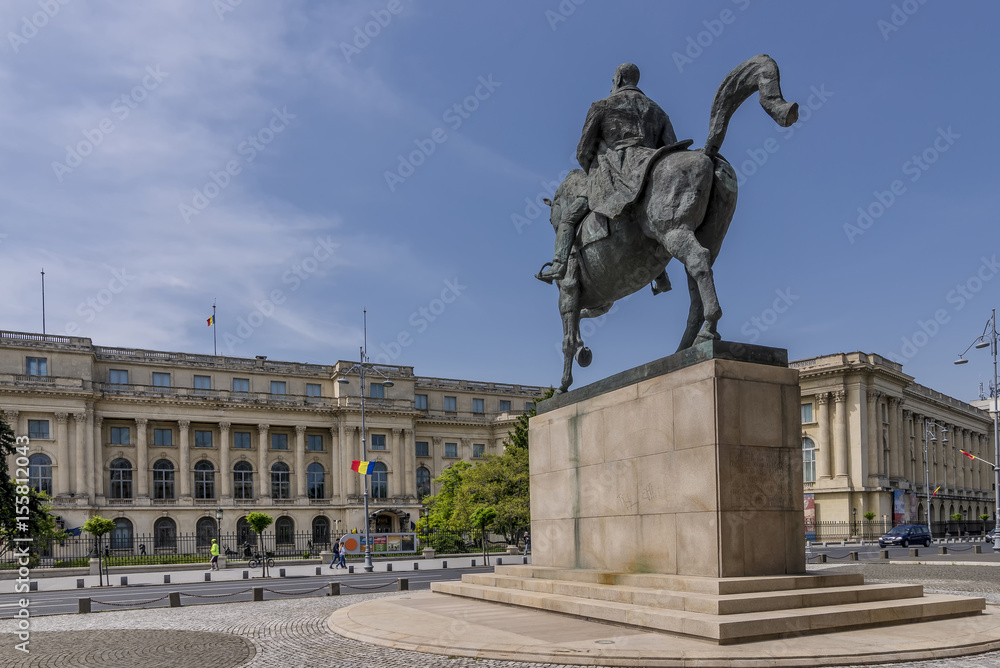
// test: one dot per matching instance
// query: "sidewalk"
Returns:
(235, 569)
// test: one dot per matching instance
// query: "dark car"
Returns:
(905, 535)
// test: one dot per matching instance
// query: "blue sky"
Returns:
(301, 161)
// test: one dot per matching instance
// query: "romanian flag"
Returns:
(362, 467)
(211, 321)
(936, 491)
(968, 454)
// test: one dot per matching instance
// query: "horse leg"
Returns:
(696, 315)
(682, 243)
(569, 311)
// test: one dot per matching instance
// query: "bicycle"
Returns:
(256, 560)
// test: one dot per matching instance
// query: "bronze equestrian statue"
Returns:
(643, 198)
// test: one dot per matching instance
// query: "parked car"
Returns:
(906, 534)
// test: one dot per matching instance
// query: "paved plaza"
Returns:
(295, 633)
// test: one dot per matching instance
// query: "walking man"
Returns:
(215, 555)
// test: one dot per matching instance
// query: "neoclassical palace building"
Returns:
(158, 441)
(875, 441)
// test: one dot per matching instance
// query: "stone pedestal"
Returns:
(690, 465)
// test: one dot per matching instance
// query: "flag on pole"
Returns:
(211, 321)
(968, 454)
(936, 491)
(362, 467)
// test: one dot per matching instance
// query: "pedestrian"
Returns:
(336, 554)
(527, 543)
(343, 555)
(215, 555)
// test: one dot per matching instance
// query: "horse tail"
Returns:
(759, 73)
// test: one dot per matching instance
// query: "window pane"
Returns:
(279, 441)
(420, 402)
(163, 437)
(314, 442)
(450, 403)
(38, 429)
(241, 384)
(277, 387)
(378, 442)
(161, 380)
(451, 449)
(203, 382)
(118, 376)
(423, 482)
(380, 485)
(40, 473)
(37, 366)
(422, 449)
(478, 449)
(478, 406)
(807, 413)
(528, 405)
(120, 436)
(377, 391)
(241, 439)
(202, 439)
(504, 406)
(314, 390)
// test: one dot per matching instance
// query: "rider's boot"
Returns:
(564, 242)
(661, 283)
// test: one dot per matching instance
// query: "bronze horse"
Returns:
(683, 212)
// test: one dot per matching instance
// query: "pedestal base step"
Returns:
(771, 607)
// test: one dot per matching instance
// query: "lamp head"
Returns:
(343, 380)
(961, 360)
(983, 343)
(388, 383)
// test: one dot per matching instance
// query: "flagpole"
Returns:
(215, 344)
(43, 301)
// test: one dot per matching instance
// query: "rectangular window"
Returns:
(478, 449)
(478, 406)
(420, 402)
(279, 441)
(277, 387)
(451, 449)
(241, 440)
(161, 380)
(808, 461)
(422, 449)
(118, 376)
(807, 413)
(241, 384)
(378, 442)
(450, 404)
(202, 384)
(163, 437)
(377, 391)
(314, 442)
(314, 390)
(202, 439)
(37, 366)
(504, 406)
(38, 429)
(120, 436)
(528, 405)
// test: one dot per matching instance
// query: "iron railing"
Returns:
(870, 530)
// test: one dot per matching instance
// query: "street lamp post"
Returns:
(365, 367)
(988, 339)
(930, 437)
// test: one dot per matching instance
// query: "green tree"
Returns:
(482, 519)
(98, 526)
(259, 522)
(439, 520)
(500, 482)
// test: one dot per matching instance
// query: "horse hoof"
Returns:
(584, 356)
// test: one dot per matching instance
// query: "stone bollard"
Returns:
(977, 549)
(473, 563)
(820, 558)
(166, 579)
(281, 572)
(524, 560)
(499, 561)
(95, 566)
(79, 583)
(444, 564)
(428, 552)
(334, 589)
(175, 599)
(513, 550)
(325, 557)
(124, 580)
(222, 562)
(350, 569)
(853, 556)
(388, 567)
(416, 566)
(942, 550)
(208, 577)
(258, 594)
(83, 605)
(246, 575)
(883, 554)
(319, 570)
(914, 552)
(33, 585)
(404, 584)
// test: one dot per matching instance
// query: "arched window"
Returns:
(242, 480)
(121, 535)
(165, 533)
(315, 481)
(121, 479)
(163, 480)
(321, 531)
(40, 473)
(204, 480)
(284, 531)
(808, 460)
(205, 529)
(380, 482)
(280, 487)
(244, 533)
(423, 482)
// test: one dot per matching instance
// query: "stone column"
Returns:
(874, 446)
(409, 457)
(893, 438)
(141, 458)
(263, 474)
(61, 487)
(98, 466)
(437, 442)
(961, 435)
(225, 465)
(396, 479)
(185, 458)
(336, 465)
(80, 452)
(981, 476)
(947, 452)
(466, 452)
(300, 461)
(823, 437)
(840, 434)
(907, 448)
(11, 416)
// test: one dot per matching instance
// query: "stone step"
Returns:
(734, 628)
(712, 604)
(688, 583)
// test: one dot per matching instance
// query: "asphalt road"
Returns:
(155, 596)
(870, 552)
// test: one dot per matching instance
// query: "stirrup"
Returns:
(549, 277)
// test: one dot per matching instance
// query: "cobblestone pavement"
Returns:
(293, 633)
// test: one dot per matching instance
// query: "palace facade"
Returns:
(873, 440)
(161, 441)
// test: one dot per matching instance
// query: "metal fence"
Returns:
(870, 530)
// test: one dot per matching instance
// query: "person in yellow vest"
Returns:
(215, 555)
